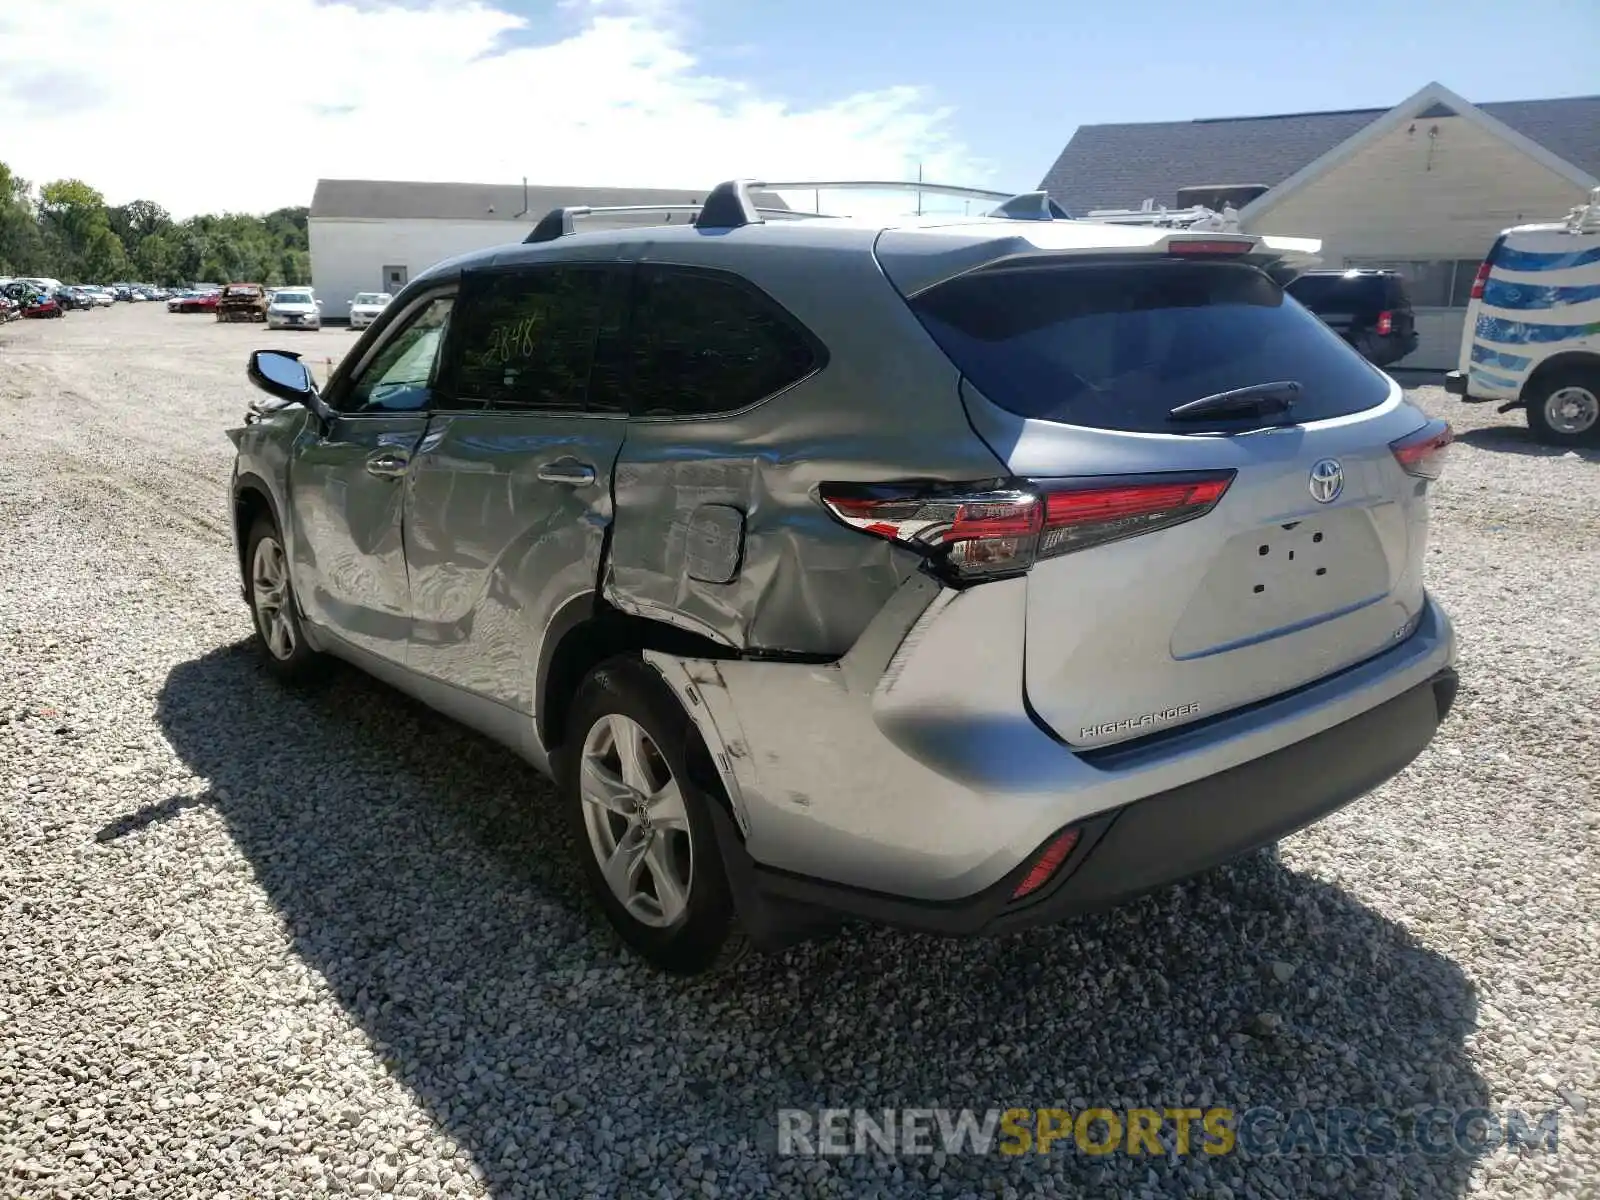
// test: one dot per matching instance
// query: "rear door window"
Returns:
(705, 342)
(525, 338)
(1118, 346)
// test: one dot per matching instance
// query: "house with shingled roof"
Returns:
(1423, 187)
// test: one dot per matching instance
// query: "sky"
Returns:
(204, 106)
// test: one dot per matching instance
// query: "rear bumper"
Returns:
(1130, 850)
(875, 777)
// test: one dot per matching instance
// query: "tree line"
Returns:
(65, 230)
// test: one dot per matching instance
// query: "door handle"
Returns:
(387, 464)
(566, 471)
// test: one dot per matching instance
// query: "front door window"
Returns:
(400, 377)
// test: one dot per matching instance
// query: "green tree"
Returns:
(137, 220)
(21, 248)
(77, 230)
(70, 233)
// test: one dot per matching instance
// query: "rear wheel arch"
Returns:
(1574, 360)
(585, 632)
(1575, 374)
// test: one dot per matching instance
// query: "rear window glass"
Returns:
(1118, 347)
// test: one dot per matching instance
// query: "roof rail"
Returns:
(731, 204)
(559, 222)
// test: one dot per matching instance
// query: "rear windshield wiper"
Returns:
(1241, 402)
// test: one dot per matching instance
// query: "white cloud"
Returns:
(203, 106)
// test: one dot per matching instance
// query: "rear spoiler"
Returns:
(954, 251)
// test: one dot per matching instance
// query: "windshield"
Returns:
(1118, 347)
(372, 298)
(293, 297)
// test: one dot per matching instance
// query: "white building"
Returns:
(1423, 187)
(374, 235)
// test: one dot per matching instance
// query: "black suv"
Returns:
(1368, 309)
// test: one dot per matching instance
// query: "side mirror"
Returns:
(280, 373)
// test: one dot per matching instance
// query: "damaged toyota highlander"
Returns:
(955, 573)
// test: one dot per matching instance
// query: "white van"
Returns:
(1532, 335)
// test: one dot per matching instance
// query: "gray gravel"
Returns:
(262, 944)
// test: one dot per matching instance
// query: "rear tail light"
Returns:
(1423, 453)
(984, 531)
(1047, 864)
(1481, 278)
(1385, 323)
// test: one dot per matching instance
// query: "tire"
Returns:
(671, 903)
(276, 617)
(1563, 407)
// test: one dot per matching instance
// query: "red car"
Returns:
(193, 302)
(41, 306)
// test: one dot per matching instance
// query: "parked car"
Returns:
(1532, 334)
(70, 298)
(42, 304)
(194, 302)
(1368, 308)
(294, 308)
(365, 308)
(745, 537)
(242, 302)
(103, 297)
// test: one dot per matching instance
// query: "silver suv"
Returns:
(952, 574)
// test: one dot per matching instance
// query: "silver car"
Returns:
(294, 308)
(956, 574)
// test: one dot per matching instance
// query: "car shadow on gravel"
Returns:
(1515, 439)
(424, 872)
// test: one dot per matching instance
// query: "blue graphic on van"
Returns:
(1532, 260)
(1501, 294)
(1494, 381)
(1499, 358)
(1523, 333)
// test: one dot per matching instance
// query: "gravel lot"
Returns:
(268, 944)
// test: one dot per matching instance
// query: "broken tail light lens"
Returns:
(1423, 453)
(988, 531)
(978, 531)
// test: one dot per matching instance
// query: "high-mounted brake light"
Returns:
(1423, 453)
(971, 532)
(1206, 247)
(1385, 323)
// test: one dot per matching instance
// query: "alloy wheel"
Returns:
(638, 826)
(269, 592)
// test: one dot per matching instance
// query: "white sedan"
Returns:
(294, 308)
(366, 306)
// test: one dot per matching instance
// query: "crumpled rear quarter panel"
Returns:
(885, 406)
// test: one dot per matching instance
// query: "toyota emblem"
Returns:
(1327, 480)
